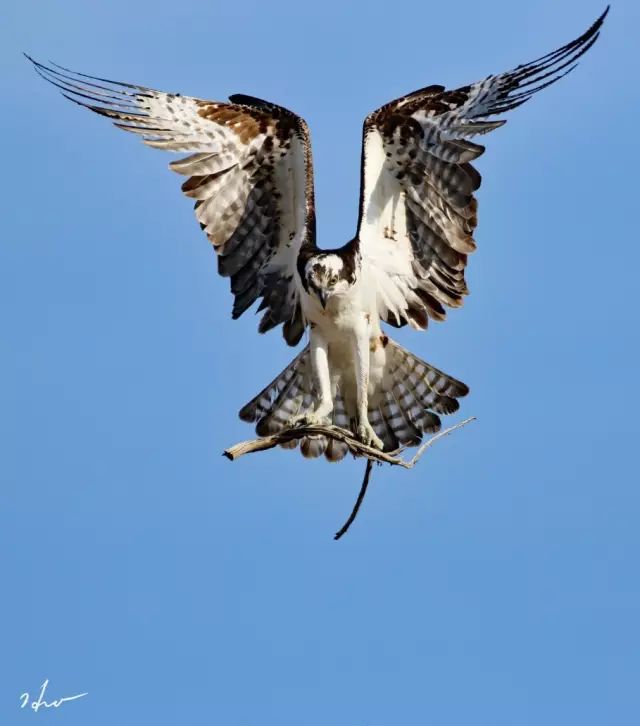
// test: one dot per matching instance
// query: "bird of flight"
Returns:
(250, 171)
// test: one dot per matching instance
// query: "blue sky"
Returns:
(495, 584)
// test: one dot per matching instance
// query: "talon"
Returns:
(307, 419)
(368, 436)
(295, 421)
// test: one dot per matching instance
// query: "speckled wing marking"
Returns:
(417, 205)
(250, 172)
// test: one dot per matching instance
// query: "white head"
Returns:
(327, 275)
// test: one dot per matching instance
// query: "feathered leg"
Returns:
(366, 434)
(319, 355)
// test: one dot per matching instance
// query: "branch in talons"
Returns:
(357, 448)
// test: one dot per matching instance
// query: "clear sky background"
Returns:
(496, 584)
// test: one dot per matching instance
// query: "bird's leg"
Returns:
(320, 367)
(319, 355)
(366, 434)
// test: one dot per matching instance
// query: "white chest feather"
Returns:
(351, 313)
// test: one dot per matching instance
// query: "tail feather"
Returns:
(415, 410)
(288, 395)
(337, 450)
(293, 444)
(311, 447)
(383, 430)
(409, 401)
(412, 394)
(283, 405)
(406, 433)
(262, 404)
(420, 393)
(431, 387)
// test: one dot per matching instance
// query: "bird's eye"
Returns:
(333, 280)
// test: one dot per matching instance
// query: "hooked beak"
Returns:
(322, 295)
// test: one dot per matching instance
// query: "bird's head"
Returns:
(327, 275)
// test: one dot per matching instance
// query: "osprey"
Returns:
(249, 169)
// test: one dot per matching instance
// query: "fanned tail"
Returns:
(291, 394)
(411, 396)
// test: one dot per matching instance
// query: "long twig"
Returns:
(356, 506)
(357, 448)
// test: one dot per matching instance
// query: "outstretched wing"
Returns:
(417, 204)
(250, 172)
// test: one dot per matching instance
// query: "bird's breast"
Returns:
(346, 313)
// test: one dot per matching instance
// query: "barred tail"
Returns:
(406, 406)
(413, 394)
(291, 394)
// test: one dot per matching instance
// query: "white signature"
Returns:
(41, 703)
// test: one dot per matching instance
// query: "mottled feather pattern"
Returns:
(413, 393)
(249, 170)
(291, 394)
(420, 145)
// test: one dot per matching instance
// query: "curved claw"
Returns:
(307, 419)
(368, 436)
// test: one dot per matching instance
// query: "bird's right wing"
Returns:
(250, 172)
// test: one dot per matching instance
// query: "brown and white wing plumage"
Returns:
(417, 206)
(250, 172)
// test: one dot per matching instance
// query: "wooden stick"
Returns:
(357, 448)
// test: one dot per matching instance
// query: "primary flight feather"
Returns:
(250, 171)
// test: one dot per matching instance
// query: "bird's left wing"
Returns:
(250, 172)
(417, 204)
